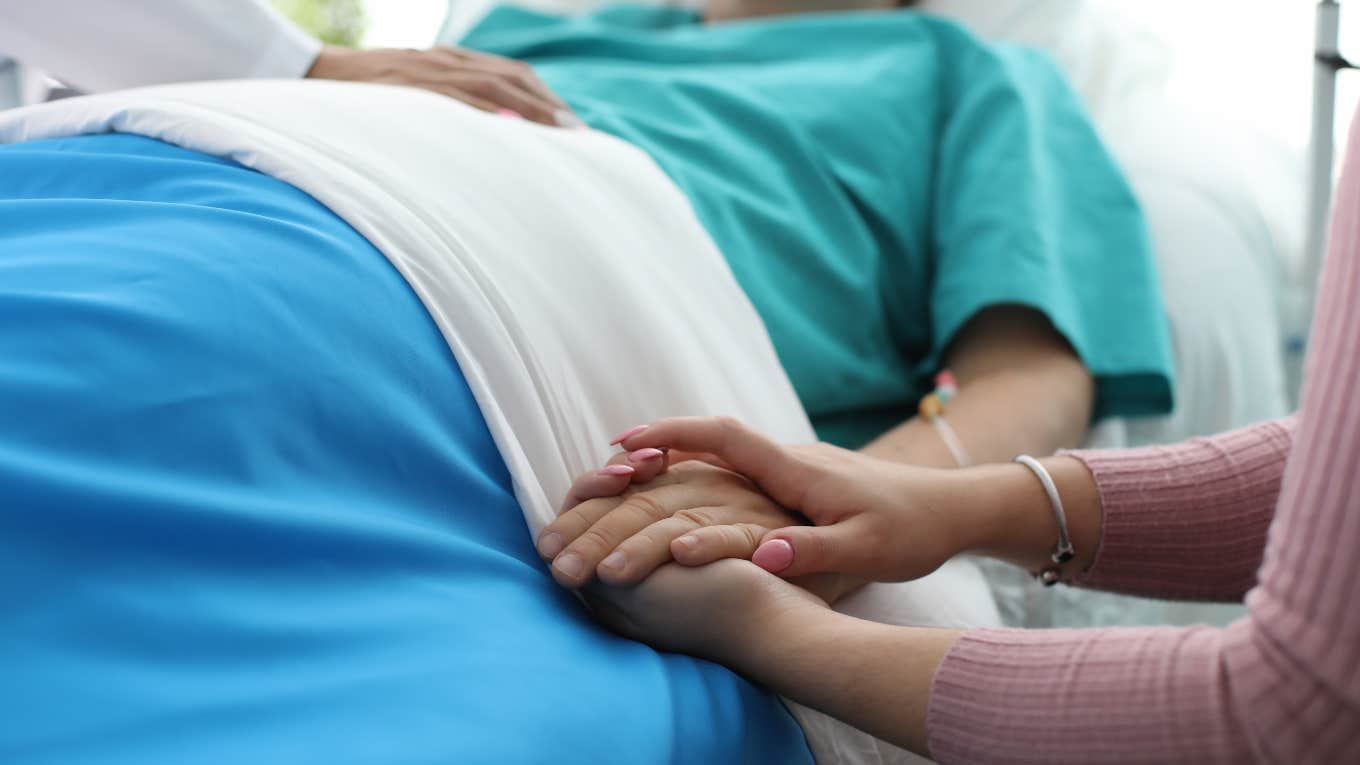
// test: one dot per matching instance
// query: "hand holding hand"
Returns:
(875, 519)
(622, 522)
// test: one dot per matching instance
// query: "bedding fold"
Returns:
(568, 275)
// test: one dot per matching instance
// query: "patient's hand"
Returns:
(620, 529)
(723, 611)
(491, 83)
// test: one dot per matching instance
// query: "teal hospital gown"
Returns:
(874, 180)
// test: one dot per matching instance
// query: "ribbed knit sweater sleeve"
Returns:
(1188, 521)
(1280, 685)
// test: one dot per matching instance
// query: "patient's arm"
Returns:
(1022, 389)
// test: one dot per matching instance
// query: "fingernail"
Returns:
(617, 470)
(569, 564)
(627, 434)
(644, 455)
(688, 543)
(616, 561)
(511, 113)
(549, 545)
(568, 120)
(774, 556)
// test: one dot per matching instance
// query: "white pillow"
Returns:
(1108, 59)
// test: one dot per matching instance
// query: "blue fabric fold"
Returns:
(250, 512)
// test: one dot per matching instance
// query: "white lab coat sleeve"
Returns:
(113, 44)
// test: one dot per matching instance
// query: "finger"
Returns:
(540, 86)
(639, 555)
(843, 548)
(517, 71)
(743, 449)
(705, 545)
(458, 95)
(576, 564)
(648, 463)
(676, 456)
(496, 88)
(566, 527)
(609, 481)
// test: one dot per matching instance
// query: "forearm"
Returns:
(873, 676)
(1022, 390)
(1188, 520)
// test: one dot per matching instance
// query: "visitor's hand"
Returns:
(491, 83)
(874, 519)
(622, 522)
(722, 611)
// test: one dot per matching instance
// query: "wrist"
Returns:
(1017, 522)
(774, 640)
(334, 62)
(1013, 519)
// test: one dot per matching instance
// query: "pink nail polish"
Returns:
(644, 455)
(617, 470)
(627, 434)
(774, 556)
(511, 113)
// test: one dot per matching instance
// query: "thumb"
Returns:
(799, 550)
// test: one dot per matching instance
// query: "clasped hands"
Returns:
(702, 530)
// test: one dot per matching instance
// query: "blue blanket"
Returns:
(250, 513)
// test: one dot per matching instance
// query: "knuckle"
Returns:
(749, 535)
(647, 506)
(592, 539)
(699, 518)
(648, 539)
(730, 425)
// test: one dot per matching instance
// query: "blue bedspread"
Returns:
(250, 513)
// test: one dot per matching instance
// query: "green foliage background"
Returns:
(338, 22)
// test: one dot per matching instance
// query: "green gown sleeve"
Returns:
(1031, 209)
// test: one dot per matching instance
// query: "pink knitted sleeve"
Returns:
(1280, 685)
(1188, 521)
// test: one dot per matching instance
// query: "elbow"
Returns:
(1074, 388)
(1293, 695)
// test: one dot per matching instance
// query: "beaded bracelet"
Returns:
(932, 408)
(1063, 552)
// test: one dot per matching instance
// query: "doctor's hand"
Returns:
(491, 83)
